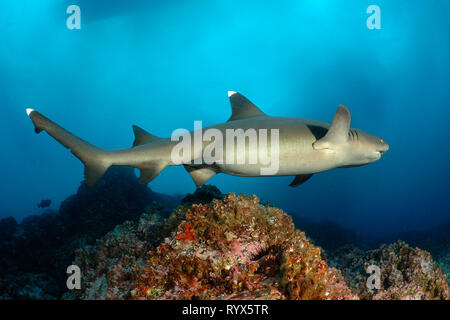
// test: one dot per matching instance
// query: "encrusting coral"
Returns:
(233, 248)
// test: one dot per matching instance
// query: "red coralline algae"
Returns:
(186, 234)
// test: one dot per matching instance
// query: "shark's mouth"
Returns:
(375, 155)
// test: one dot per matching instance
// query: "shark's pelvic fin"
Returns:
(200, 175)
(141, 136)
(150, 170)
(338, 131)
(95, 160)
(300, 179)
(241, 107)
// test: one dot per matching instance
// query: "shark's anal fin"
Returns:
(150, 170)
(242, 108)
(300, 179)
(338, 131)
(200, 175)
(141, 136)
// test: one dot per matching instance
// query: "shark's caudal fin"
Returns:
(94, 159)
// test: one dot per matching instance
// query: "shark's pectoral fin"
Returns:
(241, 107)
(150, 170)
(338, 131)
(300, 179)
(141, 136)
(200, 174)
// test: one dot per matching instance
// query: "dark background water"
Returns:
(163, 65)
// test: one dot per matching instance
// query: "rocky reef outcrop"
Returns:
(237, 248)
(35, 253)
(234, 248)
(131, 244)
(406, 273)
(204, 194)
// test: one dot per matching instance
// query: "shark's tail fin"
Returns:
(95, 160)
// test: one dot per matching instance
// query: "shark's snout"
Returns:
(383, 148)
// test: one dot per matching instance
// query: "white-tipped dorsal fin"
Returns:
(141, 136)
(338, 131)
(241, 107)
(29, 110)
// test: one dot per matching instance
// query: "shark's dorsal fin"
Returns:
(141, 136)
(338, 131)
(241, 107)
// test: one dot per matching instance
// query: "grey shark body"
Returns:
(304, 147)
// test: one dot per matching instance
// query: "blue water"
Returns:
(163, 65)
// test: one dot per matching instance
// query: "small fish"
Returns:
(44, 203)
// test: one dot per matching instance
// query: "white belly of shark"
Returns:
(250, 144)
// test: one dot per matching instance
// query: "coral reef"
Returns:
(234, 248)
(212, 246)
(406, 273)
(444, 263)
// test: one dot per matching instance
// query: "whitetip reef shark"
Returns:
(305, 147)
